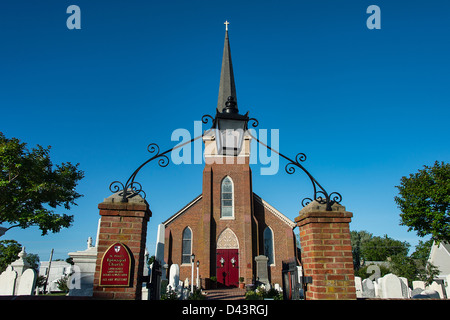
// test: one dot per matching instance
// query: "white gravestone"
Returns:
(377, 287)
(418, 284)
(174, 276)
(436, 287)
(391, 286)
(358, 287)
(368, 289)
(406, 292)
(7, 281)
(27, 283)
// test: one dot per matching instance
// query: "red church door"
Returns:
(227, 264)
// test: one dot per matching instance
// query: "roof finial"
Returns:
(226, 23)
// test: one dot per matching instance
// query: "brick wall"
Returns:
(204, 220)
(173, 241)
(250, 220)
(327, 253)
(241, 225)
(283, 237)
(125, 223)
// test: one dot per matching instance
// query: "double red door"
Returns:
(227, 263)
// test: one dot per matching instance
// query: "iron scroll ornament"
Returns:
(320, 194)
(131, 187)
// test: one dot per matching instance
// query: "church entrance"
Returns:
(227, 259)
(227, 267)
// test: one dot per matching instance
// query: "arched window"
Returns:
(268, 245)
(187, 246)
(227, 198)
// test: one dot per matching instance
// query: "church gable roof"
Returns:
(183, 210)
(257, 198)
(274, 211)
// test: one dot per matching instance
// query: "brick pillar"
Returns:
(125, 223)
(327, 251)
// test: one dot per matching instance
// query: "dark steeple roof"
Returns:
(226, 87)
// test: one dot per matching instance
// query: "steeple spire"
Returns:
(227, 87)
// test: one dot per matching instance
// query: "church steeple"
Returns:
(227, 87)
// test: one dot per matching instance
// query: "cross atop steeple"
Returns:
(226, 86)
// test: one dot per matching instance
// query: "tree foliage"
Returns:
(367, 247)
(31, 186)
(9, 250)
(394, 253)
(424, 200)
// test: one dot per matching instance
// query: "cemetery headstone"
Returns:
(415, 292)
(405, 288)
(438, 287)
(27, 283)
(368, 289)
(261, 269)
(278, 287)
(174, 276)
(391, 286)
(358, 287)
(418, 284)
(7, 281)
(427, 294)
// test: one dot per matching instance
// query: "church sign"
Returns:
(116, 266)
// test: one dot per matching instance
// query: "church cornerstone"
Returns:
(122, 223)
(327, 251)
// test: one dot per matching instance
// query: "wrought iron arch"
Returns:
(132, 187)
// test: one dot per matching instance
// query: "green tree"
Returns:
(404, 266)
(33, 260)
(380, 248)
(425, 270)
(413, 269)
(358, 239)
(424, 201)
(62, 283)
(30, 187)
(395, 253)
(367, 247)
(423, 249)
(9, 250)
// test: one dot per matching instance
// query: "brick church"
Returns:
(228, 225)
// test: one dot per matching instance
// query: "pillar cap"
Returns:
(132, 198)
(114, 202)
(316, 206)
(316, 212)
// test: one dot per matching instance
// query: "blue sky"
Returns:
(366, 106)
